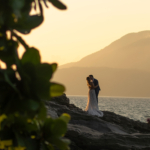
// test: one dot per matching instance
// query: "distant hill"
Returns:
(122, 68)
(132, 51)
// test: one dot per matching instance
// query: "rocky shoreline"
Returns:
(112, 132)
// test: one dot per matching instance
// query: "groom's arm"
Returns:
(99, 87)
(93, 86)
(97, 84)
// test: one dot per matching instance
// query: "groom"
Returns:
(97, 89)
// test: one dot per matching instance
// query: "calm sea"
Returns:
(134, 108)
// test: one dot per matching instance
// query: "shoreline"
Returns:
(109, 96)
(110, 132)
(133, 108)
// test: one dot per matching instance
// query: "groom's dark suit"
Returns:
(96, 89)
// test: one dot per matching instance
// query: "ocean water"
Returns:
(133, 108)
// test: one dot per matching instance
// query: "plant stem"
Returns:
(20, 40)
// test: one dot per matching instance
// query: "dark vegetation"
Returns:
(25, 83)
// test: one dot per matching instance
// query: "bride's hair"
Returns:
(88, 81)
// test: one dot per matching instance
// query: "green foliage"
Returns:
(23, 118)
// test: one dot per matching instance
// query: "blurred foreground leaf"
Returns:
(56, 89)
(25, 83)
(31, 56)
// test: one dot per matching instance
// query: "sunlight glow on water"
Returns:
(133, 108)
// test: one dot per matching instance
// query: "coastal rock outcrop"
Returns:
(112, 132)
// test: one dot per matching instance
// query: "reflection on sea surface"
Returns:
(134, 108)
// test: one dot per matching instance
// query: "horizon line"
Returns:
(110, 96)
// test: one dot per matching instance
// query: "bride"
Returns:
(92, 105)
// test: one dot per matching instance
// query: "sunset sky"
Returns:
(86, 27)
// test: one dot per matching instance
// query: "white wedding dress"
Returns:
(92, 106)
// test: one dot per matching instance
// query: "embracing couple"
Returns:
(92, 104)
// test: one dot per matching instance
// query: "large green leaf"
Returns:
(59, 128)
(24, 124)
(31, 56)
(20, 39)
(7, 57)
(8, 51)
(61, 143)
(16, 4)
(20, 140)
(9, 78)
(58, 4)
(54, 67)
(42, 112)
(33, 105)
(65, 117)
(54, 128)
(42, 88)
(48, 122)
(28, 76)
(56, 90)
(26, 23)
(37, 85)
(9, 82)
(46, 70)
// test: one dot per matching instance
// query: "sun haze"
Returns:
(86, 27)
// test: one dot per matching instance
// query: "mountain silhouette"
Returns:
(122, 68)
(132, 51)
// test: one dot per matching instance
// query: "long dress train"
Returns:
(92, 106)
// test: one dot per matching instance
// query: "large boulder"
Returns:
(112, 132)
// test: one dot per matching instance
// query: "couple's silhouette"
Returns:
(92, 104)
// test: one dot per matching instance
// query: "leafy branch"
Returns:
(24, 123)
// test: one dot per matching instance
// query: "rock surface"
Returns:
(112, 132)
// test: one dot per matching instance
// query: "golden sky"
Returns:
(86, 27)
